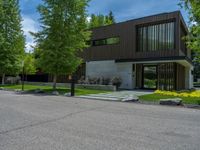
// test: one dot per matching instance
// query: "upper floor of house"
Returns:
(153, 37)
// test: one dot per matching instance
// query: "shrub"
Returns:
(106, 81)
(99, 81)
(196, 83)
(198, 102)
(92, 80)
(195, 94)
(13, 80)
(81, 80)
(117, 81)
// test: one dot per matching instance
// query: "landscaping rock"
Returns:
(171, 101)
(130, 99)
(67, 94)
(55, 93)
(18, 90)
(39, 91)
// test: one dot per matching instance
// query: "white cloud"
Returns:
(29, 25)
(88, 18)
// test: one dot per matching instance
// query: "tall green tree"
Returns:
(111, 18)
(37, 57)
(193, 39)
(93, 22)
(63, 36)
(12, 41)
(101, 20)
(29, 64)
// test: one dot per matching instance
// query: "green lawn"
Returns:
(48, 89)
(157, 97)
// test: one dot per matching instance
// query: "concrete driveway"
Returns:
(29, 122)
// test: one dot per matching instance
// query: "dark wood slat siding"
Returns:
(180, 77)
(178, 22)
(170, 76)
(127, 31)
(139, 76)
(117, 51)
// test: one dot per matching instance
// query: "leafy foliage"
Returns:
(29, 64)
(101, 20)
(12, 40)
(63, 35)
(193, 39)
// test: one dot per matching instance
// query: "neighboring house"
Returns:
(147, 53)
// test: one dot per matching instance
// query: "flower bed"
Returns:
(195, 94)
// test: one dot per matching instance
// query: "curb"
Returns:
(191, 106)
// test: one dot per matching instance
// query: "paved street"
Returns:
(29, 122)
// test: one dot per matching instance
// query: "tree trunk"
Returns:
(54, 82)
(3, 79)
(26, 77)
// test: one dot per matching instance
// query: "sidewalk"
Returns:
(116, 96)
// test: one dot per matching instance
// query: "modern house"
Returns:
(147, 53)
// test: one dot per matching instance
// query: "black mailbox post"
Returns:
(73, 81)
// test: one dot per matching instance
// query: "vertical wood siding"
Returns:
(127, 48)
(170, 76)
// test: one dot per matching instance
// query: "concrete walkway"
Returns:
(116, 96)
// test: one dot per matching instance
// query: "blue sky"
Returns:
(122, 9)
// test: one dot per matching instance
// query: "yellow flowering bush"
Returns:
(179, 94)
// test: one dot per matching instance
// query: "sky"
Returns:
(123, 10)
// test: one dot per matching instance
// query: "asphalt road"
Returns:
(29, 122)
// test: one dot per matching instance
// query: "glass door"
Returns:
(149, 77)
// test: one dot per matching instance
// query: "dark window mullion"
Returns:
(165, 36)
(156, 37)
(170, 35)
(147, 38)
(142, 37)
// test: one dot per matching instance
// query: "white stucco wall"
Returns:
(110, 69)
(124, 70)
(101, 68)
(189, 78)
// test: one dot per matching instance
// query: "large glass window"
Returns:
(150, 77)
(156, 37)
(108, 41)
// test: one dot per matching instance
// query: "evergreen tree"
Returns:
(12, 41)
(111, 17)
(63, 36)
(101, 20)
(93, 21)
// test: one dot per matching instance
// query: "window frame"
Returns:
(105, 39)
(155, 25)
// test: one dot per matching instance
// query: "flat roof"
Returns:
(136, 19)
